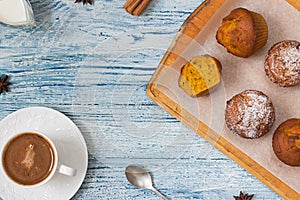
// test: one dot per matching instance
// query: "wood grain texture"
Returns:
(93, 64)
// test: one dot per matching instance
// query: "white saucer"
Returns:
(69, 143)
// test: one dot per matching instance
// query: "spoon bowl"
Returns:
(140, 178)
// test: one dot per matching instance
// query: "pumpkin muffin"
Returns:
(249, 114)
(243, 32)
(286, 142)
(282, 64)
(200, 75)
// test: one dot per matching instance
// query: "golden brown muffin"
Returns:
(200, 75)
(243, 32)
(286, 142)
(282, 64)
(250, 114)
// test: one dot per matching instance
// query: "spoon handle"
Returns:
(159, 194)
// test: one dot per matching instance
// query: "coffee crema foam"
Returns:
(28, 159)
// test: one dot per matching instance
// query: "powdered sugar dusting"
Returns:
(255, 112)
(282, 64)
(250, 114)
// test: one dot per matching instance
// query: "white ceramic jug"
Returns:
(16, 12)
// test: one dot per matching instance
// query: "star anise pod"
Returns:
(243, 196)
(85, 1)
(4, 84)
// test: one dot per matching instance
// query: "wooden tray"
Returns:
(190, 29)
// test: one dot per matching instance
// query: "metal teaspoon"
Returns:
(141, 178)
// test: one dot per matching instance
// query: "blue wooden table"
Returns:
(93, 63)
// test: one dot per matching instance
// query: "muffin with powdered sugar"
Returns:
(250, 114)
(282, 64)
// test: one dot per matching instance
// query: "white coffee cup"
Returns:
(56, 167)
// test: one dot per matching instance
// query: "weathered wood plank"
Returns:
(93, 63)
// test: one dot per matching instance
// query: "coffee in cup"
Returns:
(30, 159)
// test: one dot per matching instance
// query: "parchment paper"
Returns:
(239, 74)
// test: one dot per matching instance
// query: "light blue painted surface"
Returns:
(93, 63)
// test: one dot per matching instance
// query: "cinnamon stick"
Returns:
(136, 7)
